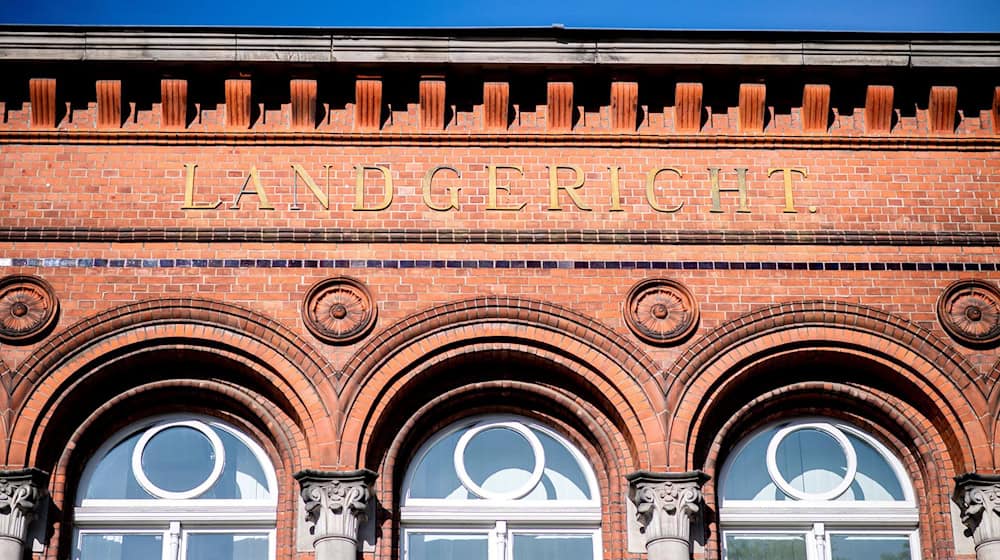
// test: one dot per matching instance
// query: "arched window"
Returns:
(816, 489)
(177, 488)
(500, 488)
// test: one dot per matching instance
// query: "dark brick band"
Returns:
(519, 237)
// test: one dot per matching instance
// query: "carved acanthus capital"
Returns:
(22, 494)
(979, 497)
(336, 501)
(666, 503)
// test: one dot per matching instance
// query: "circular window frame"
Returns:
(156, 491)
(830, 430)
(536, 474)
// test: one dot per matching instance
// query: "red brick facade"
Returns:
(866, 193)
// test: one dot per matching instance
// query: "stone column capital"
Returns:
(336, 505)
(22, 495)
(978, 496)
(666, 506)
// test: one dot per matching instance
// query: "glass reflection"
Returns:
(811, 461)
(499, 460)
(553, 547)
(120, 546)
(443, 546)
(870, 547)
(765, 547)
(227, 546)
(178, 459)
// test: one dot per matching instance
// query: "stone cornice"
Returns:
(543, 46)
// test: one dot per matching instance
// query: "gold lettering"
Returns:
(651, 189)
(189, 203)
(616, 197)
(741, 181)
(258, 190)
(786, 174)
(299, 172)
(425, 187)
(491, 195)
(555, 187)
(359, 191)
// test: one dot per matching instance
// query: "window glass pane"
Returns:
(118, 546)
(435, 476)
(443, 546)
(553, 547)
(876, 479)
(178, 459)
(765, 546)
(113, 478)
(562, 479)
(747, 477)
(811, 461)
(242, 477)
(227, 546)
(499, 460)
(870, 547)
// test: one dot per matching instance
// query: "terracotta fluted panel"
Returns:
(751, 117)
(624, 105)
(815, 107)
(878, 109)
(238, 95)
(687, 107)
(560, 106)
(43, 102)
(304, 103)
(941, 109)
(173, 103)
(432, 97)
(496, 103)
(109, 103)
(996, 110)
(368, 103)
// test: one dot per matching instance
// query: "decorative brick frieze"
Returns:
(368, 103)
(941, 109)
(173, 103)
(560, 106)
(238, 96)
(43, 102)
(815, 107)
(751, 110)
(496, 105)
(432, 103)
(304, 94)
(878, 109)
(624, 106)
(687, 107)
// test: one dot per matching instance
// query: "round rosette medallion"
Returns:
(28, 307)
(661, 311)
(339, 310)
(970, 311)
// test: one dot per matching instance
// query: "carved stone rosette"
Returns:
(979, 497)
(661, 311)
(22, 494)
(970, 311)
(336, 504)
(28, 306)
(339, 310)
(666, 505)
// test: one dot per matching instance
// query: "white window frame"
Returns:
(175, 518)
(501, 519)
(819, 519)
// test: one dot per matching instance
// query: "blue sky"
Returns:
(845, 15)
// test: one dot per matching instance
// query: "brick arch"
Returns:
(600, 442)
(920, 365)
(261, 352)
(588, 356)
(248, 411)
(900, 426)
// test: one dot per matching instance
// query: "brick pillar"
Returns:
(22, 494)
(336, 505)
(666, 506)
(979, 497)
